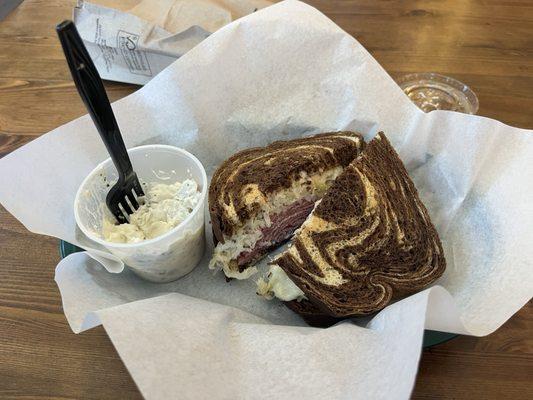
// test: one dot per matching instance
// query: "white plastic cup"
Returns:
(166, 257)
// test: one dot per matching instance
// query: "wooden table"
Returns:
(487, 44)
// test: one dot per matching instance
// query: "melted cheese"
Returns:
(279, 285)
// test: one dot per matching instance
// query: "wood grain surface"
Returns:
(486, 43)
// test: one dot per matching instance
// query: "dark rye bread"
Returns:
(311, 314)
(369, 241)
(272, 168)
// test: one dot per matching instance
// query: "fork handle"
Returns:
(93, 94)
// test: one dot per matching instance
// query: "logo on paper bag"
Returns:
(136, 60)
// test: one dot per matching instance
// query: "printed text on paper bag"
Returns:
(136, 60)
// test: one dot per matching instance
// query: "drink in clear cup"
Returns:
(430, 91)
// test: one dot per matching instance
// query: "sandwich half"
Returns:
(260, 196)
(368, 242)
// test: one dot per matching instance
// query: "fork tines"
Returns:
(123, 199)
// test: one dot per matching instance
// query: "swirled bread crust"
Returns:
(241, 186)
(311, 314)
(368, 242)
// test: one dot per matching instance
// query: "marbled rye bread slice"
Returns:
(311, 314)
(270, 169)
(368, 242)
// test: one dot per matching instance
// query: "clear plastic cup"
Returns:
(430, 91)
(166, 257)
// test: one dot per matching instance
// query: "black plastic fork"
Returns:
(89, 84)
